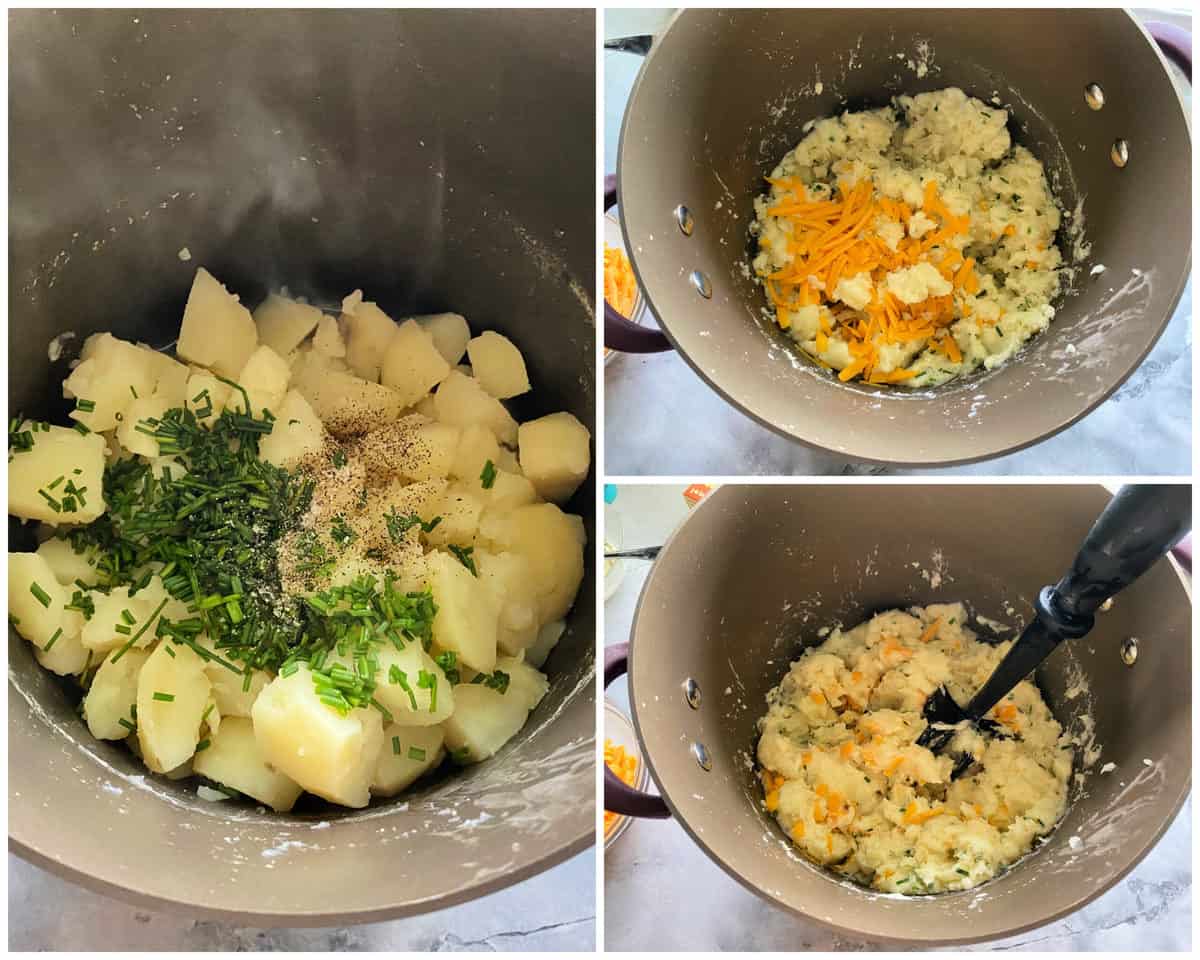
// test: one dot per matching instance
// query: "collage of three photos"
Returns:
(580, 479)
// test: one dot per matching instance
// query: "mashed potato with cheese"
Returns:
(845, 779)
(911, 244)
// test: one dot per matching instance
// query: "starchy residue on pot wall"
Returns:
(845, 779)
(912, 244)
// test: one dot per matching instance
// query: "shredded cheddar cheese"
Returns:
(620, 286)
(624, 765)
(890, 260)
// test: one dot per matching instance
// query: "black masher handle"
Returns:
(1140, 524)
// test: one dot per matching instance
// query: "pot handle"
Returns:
(621, 333)
(619, 797)
(1175, 43)
(1182, 552)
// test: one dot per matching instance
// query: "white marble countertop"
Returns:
(661, 892)
(554, 911)
(662, 419)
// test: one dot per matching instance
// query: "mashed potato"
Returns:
(911, 244)
(843, 775)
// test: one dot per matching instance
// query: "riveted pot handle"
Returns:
(621, 333)
(619, 797)
(1174, 42)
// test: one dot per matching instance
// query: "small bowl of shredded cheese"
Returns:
(621, 291)
(622, 756)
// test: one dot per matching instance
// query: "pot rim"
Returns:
(775, 428)
(411, 908)
(776, 901)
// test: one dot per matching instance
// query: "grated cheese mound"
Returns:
(923, 238)
(845, 779)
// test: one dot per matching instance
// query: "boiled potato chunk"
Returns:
(138, 414)
(509, 578)
(412, 365)
(217, 331)
(553, 542)
(296, 436)
(69, 566)
(229, 692)
(66, 656)
(450, 333)
(477, 447)
(408, 753)
(346, 404)
(111, 373)
(461, 401)
(57, 452)
(112, 696)
(233, 758)
(434, 703)
(411, 448)
(328, 338)
(30, 577)
(509, 490)
(498, 365)
(284, 324)
(369, 333)
(459, 511)
(467, 613)
(555, 455)
(103, 632)
(206, 397)
(547, 639)
(170, 376)
(325, 752)
(172, 692)
(265, 380)
(485, 719)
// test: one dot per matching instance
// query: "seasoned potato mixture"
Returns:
(844, 777)
(306, 553)
(912, 244)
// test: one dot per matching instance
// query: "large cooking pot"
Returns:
(403, 152)
(755, 571)
(724, 94)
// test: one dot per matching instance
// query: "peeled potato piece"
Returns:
(461, 401)
(296, 435)
(325, 752)
(498, 365)
(172, 693)
(369, 333)
(112, 696)
(418, 706)
(69, 566)
(233, 758)
(407, 754)
(284, 324)
(467, 613)
(36, 600)
(450, 333)
(138, 414)
(265, 379)
(547, 639)
(485, 719)
(217, 331)
(111, 374)
(412, 365)
(59, 456)
(555, 454)
(347, 405)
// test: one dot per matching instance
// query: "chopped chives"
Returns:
(86, 406)
(416, 753)
(52, 640)
(164, 697)
(396, 746)
(40, 595)
(203, 744)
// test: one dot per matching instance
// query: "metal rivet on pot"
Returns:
(1129, 651)
(700, 752)
(687, 223)
(1094, 96)
(1120, 152)
(1106, 605)
(699, 280)
(691, 693)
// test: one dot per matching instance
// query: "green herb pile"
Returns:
(211, 531)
